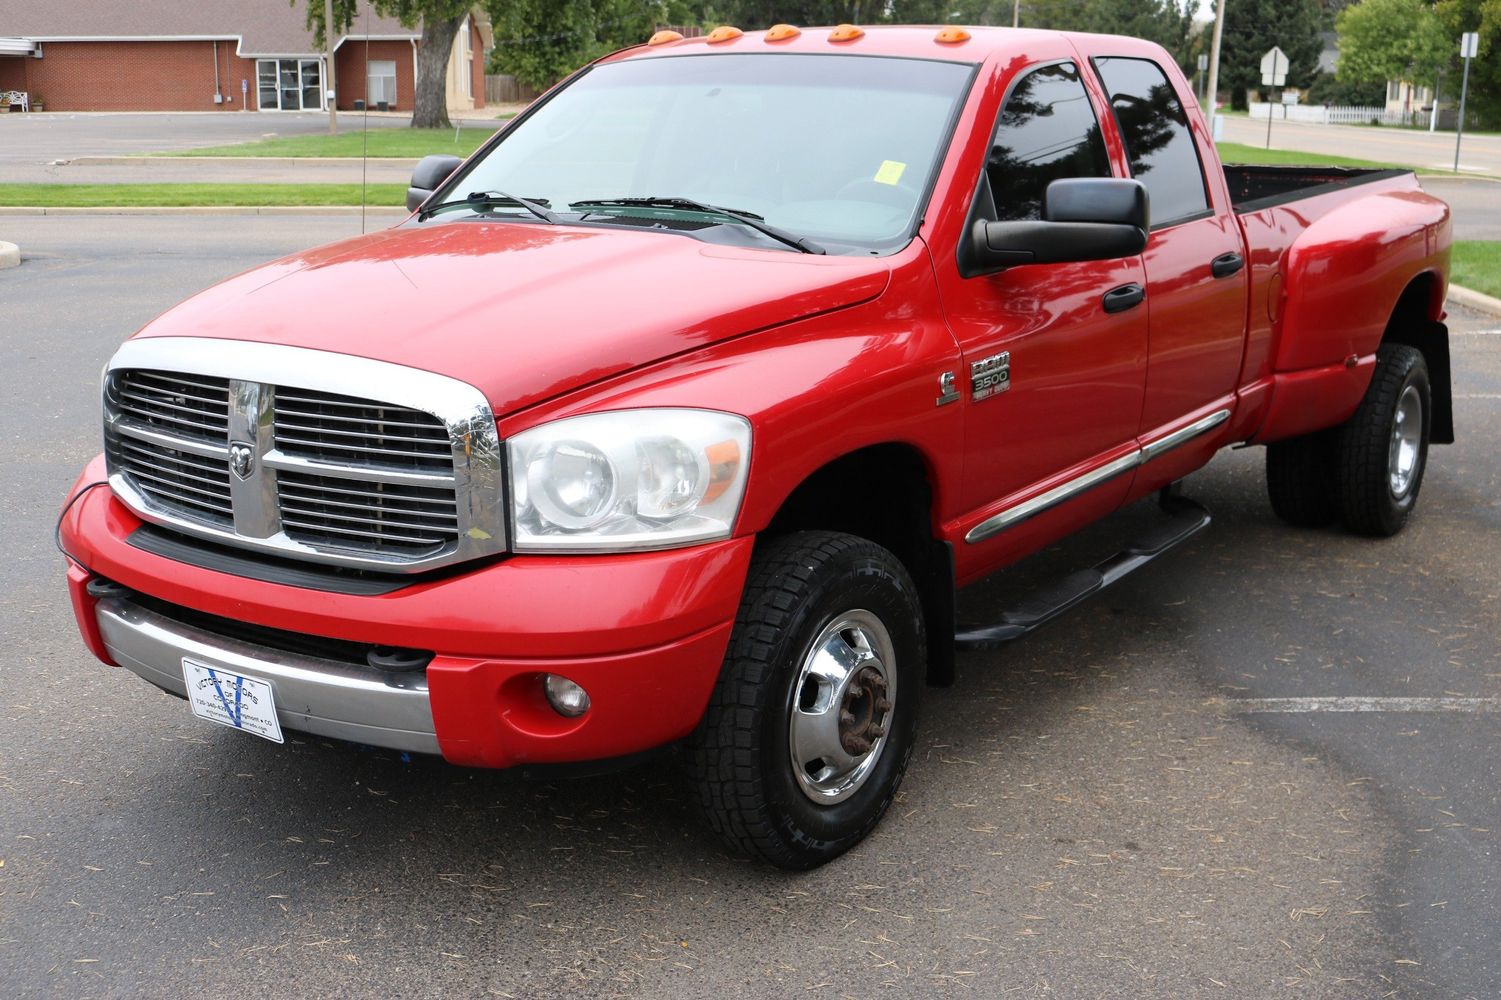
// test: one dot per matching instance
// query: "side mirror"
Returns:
(1084, 218)
(427, 176)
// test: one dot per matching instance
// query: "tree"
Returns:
(1252, 27)
(1381, 40)
(1169, 23)
(541, 41)
(440, 20)
(1483, 16)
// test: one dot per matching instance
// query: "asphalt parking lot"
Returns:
(1150, 798)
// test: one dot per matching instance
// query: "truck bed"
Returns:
(1255, 187)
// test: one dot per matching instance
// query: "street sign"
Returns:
(1274, 68)
(1469, 48)
(1203, 63)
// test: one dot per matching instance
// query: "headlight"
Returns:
(628, 479)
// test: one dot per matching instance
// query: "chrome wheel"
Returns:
(840, 706)
(1407, 442)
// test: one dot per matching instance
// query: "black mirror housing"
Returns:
(428, 176)
(1097, 199)
(1084, 219)
(1009, 244)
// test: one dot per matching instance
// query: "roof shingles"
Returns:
(262, 27)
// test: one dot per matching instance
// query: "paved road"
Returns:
(1481, 154)
(1476, 205)
(34, 149)
(1097, 811)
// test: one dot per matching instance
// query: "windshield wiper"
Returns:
(536, 206)
(748, 219)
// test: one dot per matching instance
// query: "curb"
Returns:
(1475, 300)
(1446, 176)
(237, 161)
(377, 210)
(10, 255)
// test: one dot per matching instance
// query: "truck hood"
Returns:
(521, 311)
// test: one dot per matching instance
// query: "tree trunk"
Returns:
(431, 108)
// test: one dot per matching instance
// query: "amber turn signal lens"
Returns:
(724, 33)
(952, 36)
(663, 37)
(780, 32)
(846, 33)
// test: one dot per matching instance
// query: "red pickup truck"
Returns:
(678, 412)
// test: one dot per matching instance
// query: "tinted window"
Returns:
(1047, 130)
(838, 148)
(1158, 141)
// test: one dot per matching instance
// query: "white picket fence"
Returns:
(1319, 114)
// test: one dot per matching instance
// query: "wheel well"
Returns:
(1415, 322)
(884, 493)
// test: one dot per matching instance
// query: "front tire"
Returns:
(1383, 448)
(810, 727)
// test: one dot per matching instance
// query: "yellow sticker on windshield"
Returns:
(890, 172)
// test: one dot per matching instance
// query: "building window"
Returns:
(289, 84)
(381, 85)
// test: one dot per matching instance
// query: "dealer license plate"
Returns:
(231, 700)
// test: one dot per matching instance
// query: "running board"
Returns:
(1183, 518)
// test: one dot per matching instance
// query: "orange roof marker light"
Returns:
(724, 33)
(951, 36)
(782, 32)
(846, 33)
(663, 37)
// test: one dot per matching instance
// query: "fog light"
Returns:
(566, 697)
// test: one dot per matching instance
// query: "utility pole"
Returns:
(328, 46)
(1016, 14)
(1469, 46)
(1214, 57)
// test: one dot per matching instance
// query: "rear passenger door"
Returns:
(1196, 277)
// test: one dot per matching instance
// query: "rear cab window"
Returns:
(1159, 143)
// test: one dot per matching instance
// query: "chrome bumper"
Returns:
(313, 695)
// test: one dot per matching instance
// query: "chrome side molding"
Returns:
(1013, 516)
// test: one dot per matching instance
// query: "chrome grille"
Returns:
(342, 429)
(383, 516)
(230, 448)
(191, 485)
(195, 407)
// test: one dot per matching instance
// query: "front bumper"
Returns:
(643, 633)
(315, 695)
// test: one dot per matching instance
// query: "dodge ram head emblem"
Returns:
(241, 459)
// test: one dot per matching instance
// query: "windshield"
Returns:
(838, 149)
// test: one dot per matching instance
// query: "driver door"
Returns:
(1071, 403)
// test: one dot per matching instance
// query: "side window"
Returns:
(1047, 130)
(1158, 141)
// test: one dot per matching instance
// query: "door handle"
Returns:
(1123, 298)
(1226, 264)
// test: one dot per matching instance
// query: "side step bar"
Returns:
(1183, 519)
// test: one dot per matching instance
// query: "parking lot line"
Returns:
(1356, 704)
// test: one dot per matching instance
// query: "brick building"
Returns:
(215, 55)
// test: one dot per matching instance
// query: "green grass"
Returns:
(407, 143)
(1234, 152)
(1477, 266)
(159, 195)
